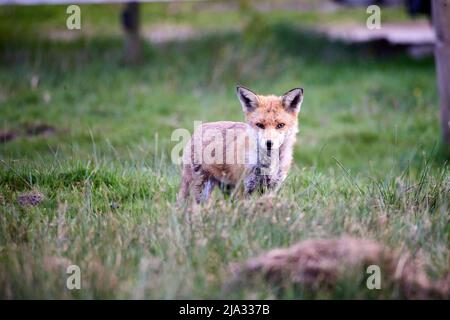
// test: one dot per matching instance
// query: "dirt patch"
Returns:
(417, 32)
(7, 135)
(32, 198)
(319, 264)
(155, 33)
(2, 199)
(40, 129)
(167, 32)
(63, 35)
(267, 6)
(30, 130)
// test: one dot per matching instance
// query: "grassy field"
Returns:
(92, 136)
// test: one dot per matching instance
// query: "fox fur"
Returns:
(256, 153)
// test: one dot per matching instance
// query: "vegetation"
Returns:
(93, 137)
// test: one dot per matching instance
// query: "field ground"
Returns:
(92, 136)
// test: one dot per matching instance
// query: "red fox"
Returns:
(257, 153)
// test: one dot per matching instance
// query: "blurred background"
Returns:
(370, 94)
(86, 117)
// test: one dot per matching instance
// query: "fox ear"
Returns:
(248, 98)
(292, 100)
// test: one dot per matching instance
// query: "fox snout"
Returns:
(270, 139)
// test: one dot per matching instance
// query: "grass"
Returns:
(367, 162)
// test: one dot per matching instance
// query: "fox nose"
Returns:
(269, 144)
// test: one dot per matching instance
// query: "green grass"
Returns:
(367, 162)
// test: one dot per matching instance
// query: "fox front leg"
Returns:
(208, 187)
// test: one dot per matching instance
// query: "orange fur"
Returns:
(221, 153)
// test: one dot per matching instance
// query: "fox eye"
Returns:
(280, 125)
(260, 125)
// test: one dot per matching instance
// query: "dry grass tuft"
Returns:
(320, 264)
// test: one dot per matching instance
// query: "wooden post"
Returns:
(130, 22)
(441, 22)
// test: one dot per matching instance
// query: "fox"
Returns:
(256, 153)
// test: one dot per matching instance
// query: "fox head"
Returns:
(273, 118)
